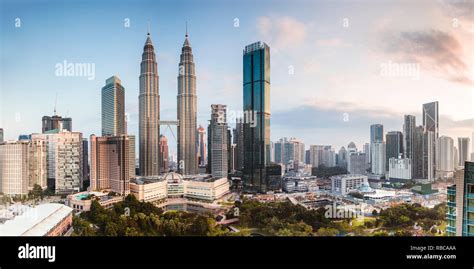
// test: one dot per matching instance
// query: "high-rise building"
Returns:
(342, 159)
(256, 102)
(287, 150)
(366, 151)
(239, 141)
(430, 115)
(149, 112)
(456, 158)
(37, 161)
(217, 141)
(322, 155)
(463, 149)
(431, 118)
(202, 158)
(351, 149)
(359, 164)
(429, 155)
(113, 107)
(417, 162)
(377, 150)
(378, 154)
(164, 154)
(459, 215)
(85, 164)
(65, 160)
(1, 135)
(376, 133)
(187, 111)
(445, 157)
(56, 122)
(409, 125)
(14, 168)
(394, 146)
(112, 163)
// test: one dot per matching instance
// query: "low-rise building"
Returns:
(82, 201)
(41, 220)
(174, 185)
(344, 184)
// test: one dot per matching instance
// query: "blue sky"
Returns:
(336, 69)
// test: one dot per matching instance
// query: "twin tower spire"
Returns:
(149, 112)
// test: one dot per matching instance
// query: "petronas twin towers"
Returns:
(149, 112)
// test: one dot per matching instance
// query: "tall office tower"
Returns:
(456, 158)
(429, 155)
(287, 150)
(37, 160)
(85, 164)
(409, 125)
(377, 149)
(56, 122)
(445, 157)
(431, 118)
(378, 164)
(239, 141)
(232, 157)
(431, 134)
(14, 168)
(376, 133)
(417, 163)
(359, 164)
(366, 151)
(308, 157)
(256, 102)
(164, 154)
(187, 109)
(149, 112)
(272, 152)
(113, 107)
(68, 162)
(202, 146)
(351, 149)
(229, 151)
(322, 155)
(217, 141)
(394, 146)
(112, 163)
(342, 159)
(1, 135)
(463, 148)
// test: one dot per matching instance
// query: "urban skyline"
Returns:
(322, 123)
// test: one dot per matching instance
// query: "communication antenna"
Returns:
(55, 103)
(148, 27)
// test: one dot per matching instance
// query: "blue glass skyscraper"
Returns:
(256, 106)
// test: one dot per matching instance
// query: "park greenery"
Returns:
(134, 218)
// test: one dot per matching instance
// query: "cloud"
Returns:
(435, 50)
(282, 32)
(332, 42)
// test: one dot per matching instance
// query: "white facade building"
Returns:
(399, 169)
(344, 184)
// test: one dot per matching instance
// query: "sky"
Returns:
(336, 66)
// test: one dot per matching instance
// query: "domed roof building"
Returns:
(173, 177)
